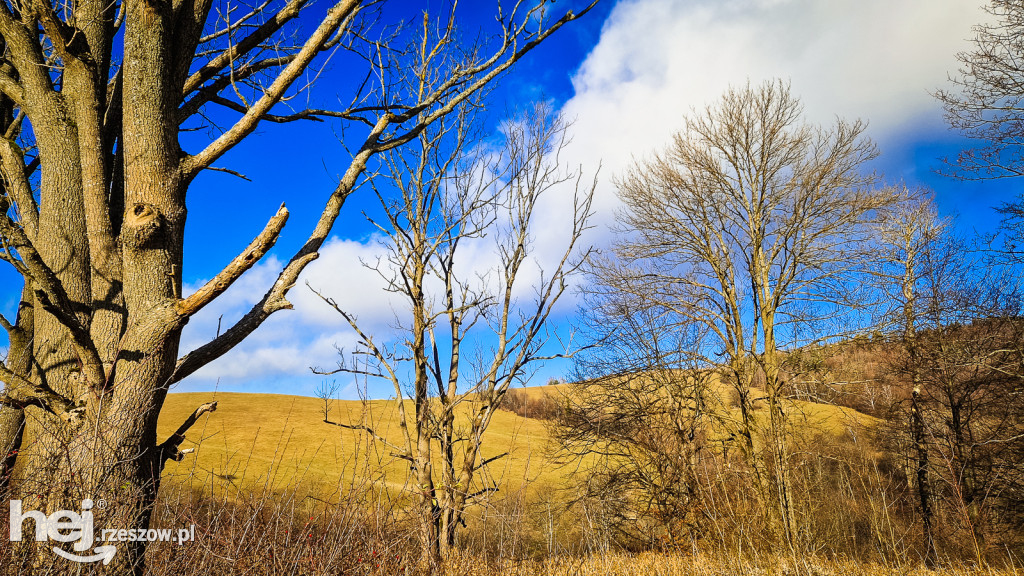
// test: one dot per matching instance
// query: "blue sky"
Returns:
(626, 74)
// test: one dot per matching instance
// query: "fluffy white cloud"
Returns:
(876, 60)
(279, 355)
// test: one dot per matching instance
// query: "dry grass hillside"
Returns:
(274, 441)
(270, 475)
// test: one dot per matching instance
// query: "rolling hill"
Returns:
(271, 442)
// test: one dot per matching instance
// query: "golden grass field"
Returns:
(260, 444)
(674, 564)
(275, 441)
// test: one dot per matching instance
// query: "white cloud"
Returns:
(279, 354)
(876, 60)
(342, 273)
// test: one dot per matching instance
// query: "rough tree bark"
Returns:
(99, 92)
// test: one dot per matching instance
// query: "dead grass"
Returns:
(272, 489)
(256, 441)
(676, 564)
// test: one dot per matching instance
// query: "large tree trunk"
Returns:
(108, 451)
(783, 473)
(109, 454)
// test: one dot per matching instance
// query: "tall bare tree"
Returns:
(748, 225)
(93, 98)
(965, 363)
(456, 194)
(909, 233)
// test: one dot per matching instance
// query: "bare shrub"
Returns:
(521, 403)
(287, 533)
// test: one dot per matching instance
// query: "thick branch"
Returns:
(26, 53)
(208, 92)
(31, 394)
(233, 271)
(169, 449)
(12, 89)
(6, 325)
(273, 301)
(235, 51)
(12, 165)
(274, 93)
(53, 298)
(67, 41)
(189, 20)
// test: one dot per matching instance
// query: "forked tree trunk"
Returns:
(753, 453)
(109, 452)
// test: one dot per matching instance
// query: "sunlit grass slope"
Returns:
(274, 441)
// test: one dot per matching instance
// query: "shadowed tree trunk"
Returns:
(909, 230)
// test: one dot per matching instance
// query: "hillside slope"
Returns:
(270, 440)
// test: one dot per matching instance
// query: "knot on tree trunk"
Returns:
(143, 227)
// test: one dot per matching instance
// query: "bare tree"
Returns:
(636, 426)
(93, 98)
(966, 362)
(748, 225)
(467, 337)
(908, 235)
(986, 104)
(987, 101)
